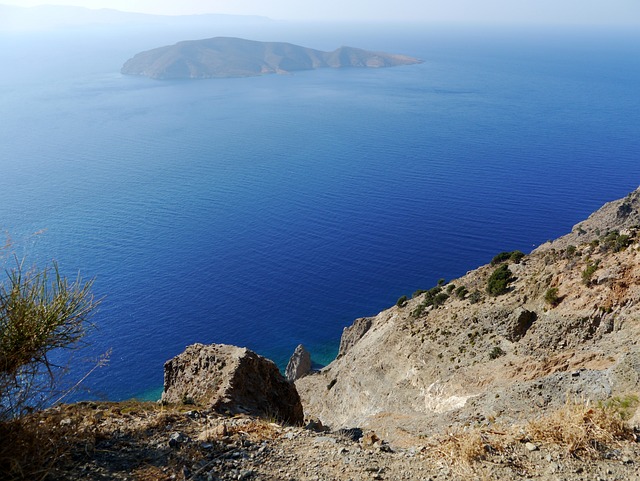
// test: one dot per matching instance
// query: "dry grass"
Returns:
(582, 428)
(150, 473)
(466, 447)
(32, 448)
(35, 446)
(252, 430)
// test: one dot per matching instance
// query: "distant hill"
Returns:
(46, 17)
(223, 57)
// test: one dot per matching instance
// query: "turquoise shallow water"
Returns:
(271, 211)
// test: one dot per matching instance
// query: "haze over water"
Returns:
(271, 211)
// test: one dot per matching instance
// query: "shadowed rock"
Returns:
(232, 379)
(353, 333)
(299, 364)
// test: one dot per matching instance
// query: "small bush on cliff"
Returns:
(513, 256)
(475, 297)
(616, 242)
(40, 311)
(402, 301)
(496, 352)
(499, 281)
(551, 297)
(589, 271)
(434, 297)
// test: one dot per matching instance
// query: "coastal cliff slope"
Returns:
(537, 379)
(566, 326)
(223, 57)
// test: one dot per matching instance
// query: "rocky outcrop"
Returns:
(299, 364)
(223, 57)
(231, 379)
(353, 333)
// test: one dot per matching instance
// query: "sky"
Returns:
(459, 11)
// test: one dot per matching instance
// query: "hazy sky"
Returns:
(493, 11)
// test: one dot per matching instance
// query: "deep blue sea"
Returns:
(271, 211)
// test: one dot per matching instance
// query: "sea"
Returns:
(273, 211)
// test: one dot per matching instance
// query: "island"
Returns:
(225, 57)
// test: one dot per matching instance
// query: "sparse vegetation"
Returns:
(616, 242)
(625, 406)
(402, 301)
(496, 352)
(589, 271)
(475, 297)
(434, 297)
(513, 256)
(461, 292)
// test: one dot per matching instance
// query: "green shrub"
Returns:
(440, 299)
(570, 251)
(40, 311)
(461, 292)
(502, 257)
(588, 272)
(516, 257)
(433, 297)
(513, 256)
(615, 241)
(499, 281)
(402, 301)
(551, 297)
(496, 352)
(475, 297)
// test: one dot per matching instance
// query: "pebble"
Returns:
(176, 439)
(531, 447)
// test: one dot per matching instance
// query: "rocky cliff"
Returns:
(222, 57)
(563, 324)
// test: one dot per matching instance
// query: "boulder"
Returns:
(299, 364)
(231, 379)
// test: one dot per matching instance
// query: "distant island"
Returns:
(225, 57)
